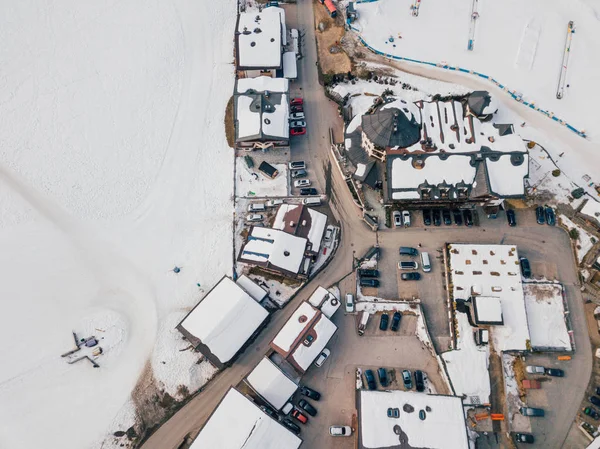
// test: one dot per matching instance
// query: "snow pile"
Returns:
(115, 169)
(546, 316)
(584, 240)
(511, 387)
(251, 183)
(592, 209)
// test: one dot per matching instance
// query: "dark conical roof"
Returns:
(478, 101)
(391, 127)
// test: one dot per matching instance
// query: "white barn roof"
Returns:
(259, 40)
(271, 383)
(237, 423)
(225, 319)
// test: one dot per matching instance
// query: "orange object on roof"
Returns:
(480, 416)
(497, 417)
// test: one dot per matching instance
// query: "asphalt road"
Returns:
(544, 244)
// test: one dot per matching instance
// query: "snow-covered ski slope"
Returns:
(519, 43)
(113, 169)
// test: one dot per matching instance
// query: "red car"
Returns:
(299, 416)
(297, 131)
(296, 101)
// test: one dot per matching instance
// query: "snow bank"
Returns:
(592, 209)
(584, 242)
(252, 183)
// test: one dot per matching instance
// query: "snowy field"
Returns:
(252, 183)
(520, 44)
(114, 170)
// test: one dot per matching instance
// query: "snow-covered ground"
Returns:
(114, 170)
(592, 210)
(583, 243)
(519, 44)
(252, 183)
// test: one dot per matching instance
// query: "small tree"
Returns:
(574, 233)
(556, 172)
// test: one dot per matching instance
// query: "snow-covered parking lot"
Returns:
(114, 170)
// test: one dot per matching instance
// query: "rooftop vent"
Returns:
(272, 39)
(267, 93)
(246, 32)
(253, 44)
(257, 30)
(302, 318)
(286, 253)
(267, 121)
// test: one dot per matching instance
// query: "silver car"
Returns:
(298, 124)
(340, 431)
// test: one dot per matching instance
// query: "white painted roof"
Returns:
(225, 319)
(546, 316)
(262, 83)
(594, 444)
(305, 355)
(248, 121)
(271, 383)
(443, 428)
(325, 300)
(488, 309)
(272, 245)
(294, 326)
(407, 195)
(453, 170)
(237, 423)
(262, 49)
(505, 178)
(290, 70)
(251, 287)
(317, 228)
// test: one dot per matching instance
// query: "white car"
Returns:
(297, 165)
(349, 303)
(340, 431)
(298, 124)
(297, 116)
(397, 218)
(254, 217)
(532, 369)
(328, 233)
(302, 183)
(406, 218)
(322, 357)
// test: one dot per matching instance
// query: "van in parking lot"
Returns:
(408, 251)
(425, 262)
(256, 207)
(408, 265)
(314, 201)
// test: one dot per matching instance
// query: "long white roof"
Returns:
(281, 249)
(237, 423)
(225, 319)
(317, 228)
(304, 355)
(443, 427)
(505, 178)
(251, 287)
(272, 384)
(453, 170)
(294, 326)
(260, 49)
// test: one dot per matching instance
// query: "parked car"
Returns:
(539, 215)
(297, 131)
(299, 173)
(309, 339)
(533, 369)
(274, 203)
(322, 357)
(595, 400)
(305, 405)
(591, 412)
(407, 379)
(368, 273)
(297, 165)
(446, 217)
(370, 380)
(531, 411)
(511, 217)
(426, 217)
(340, 431)
(310, 393)
(369, 282)
(524, 438)
(396, 321)
(349, 303)
(296, 101)
(302, 183)
(408, 265)
(550, 217)
(419, 380)
(410, 276)
(598, 391)
(397, 218)
(307, 191)
(468, 216)
(299, 416)
(457, 217)
(297, 116)
(406, 218)
(383, 379)
(408, 251)
(383, 322)
(298, 108)
(328, 233)
(393, 412)
(291, 426)
(525, 267)
(254, 217)
(555, 372)
(298, 124)
(422, 415)
(269, 411)
(437, 217)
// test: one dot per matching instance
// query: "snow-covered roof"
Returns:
(251, 287)
(506, 178)
(317, 228)
(391, 128)
(253, 429)
(271, 383)
(433, 171)
(290, 70)
(295, 326)
(407, 195)
(546, 316)
(592, 210)
(325, 300)
(262, 108)
(225, 319)
(594, 444)
(488, 309)
(301, 221)
(322, 332)
(443, 427)
(259, 38)
(275, 247)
